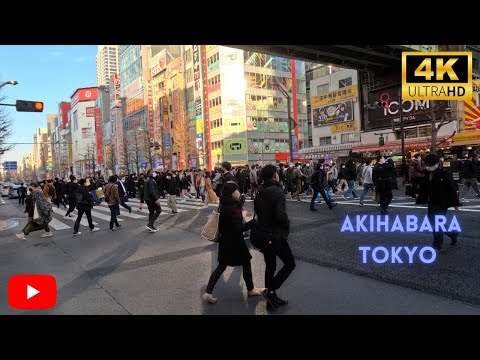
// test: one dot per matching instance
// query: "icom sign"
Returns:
(84, 94)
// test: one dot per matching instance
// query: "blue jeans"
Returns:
(93, 194)
(351, 189)
(366, 187)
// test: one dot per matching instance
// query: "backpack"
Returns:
(79, 197)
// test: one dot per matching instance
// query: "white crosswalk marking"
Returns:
(83, 222)
(104, 207)
(102, 216)
(58, 225)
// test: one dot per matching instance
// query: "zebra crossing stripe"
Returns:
(58, 225)
(83, 222)
(104, 207)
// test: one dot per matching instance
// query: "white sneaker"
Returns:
(77, 233)
(95, 229)
(208, 298)
(21, 236)
(47, 234)
(66, 217)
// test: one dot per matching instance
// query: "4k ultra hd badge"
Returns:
(436, 75)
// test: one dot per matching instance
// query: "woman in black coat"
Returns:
(232, 249)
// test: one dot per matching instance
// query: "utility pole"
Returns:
(285, 93)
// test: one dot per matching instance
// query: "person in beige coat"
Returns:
(210, 196)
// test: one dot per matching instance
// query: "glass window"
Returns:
(344, 82)
(322, 89)
(327, 140)
(410, 133)
(348, 138)
(425, 131)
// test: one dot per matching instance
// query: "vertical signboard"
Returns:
(233, 101)
(197, 91)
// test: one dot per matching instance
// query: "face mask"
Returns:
(169, 177)
(308, 165)
(154, 174)
(432, 168)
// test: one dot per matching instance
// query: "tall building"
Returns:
(40, 153)
(246, 111)
(50, 156)
(82, 128)
(107, 63)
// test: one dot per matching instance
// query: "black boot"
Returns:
(280, 302)
(271, 299)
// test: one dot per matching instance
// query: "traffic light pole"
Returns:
(400, 102)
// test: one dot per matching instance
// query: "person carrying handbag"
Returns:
(232, 249)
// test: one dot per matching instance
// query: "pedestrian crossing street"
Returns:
(101, 213)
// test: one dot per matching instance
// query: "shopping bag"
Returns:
(35, 212)
(211, 229)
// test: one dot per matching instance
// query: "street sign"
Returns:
(10, 165)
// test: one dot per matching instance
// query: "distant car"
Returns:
(12, 192)
(5, 190)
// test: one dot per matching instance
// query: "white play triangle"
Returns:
(31, 292)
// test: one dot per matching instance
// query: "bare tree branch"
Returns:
(5, 129)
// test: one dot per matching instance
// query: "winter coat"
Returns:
(151, 190)
(438, 190)
(415, 169)
(44, 207)
(270, 206)
(232, 249)
(86, 202)
(469, 169)
(350, 171)
(172, 186)
(212, 197)
(72, 191)
(382, 176)
(111, 192)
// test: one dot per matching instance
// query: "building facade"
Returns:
(82, 129)
(106, 63)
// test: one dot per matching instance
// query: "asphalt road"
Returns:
(133, 272)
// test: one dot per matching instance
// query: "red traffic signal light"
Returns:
(29, 106)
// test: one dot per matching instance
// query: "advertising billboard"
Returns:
(335, 96)
(472, 110)
(197, 92)
(236, 146)
(414, 111)
(84, 94)
(90, 112)
(115, 94)
(233, 99)
(332, 113)
(159, 62)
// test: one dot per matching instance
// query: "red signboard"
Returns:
(150, 107)
(90, 111)
(64, 108)
(84, 94)
(98, 134)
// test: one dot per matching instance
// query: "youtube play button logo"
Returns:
(32, 292)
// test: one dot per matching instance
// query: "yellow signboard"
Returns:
(235, 124)
(335, 96)
(343, 127)
(199, 125)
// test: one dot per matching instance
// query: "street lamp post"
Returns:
(11, 82)
(285, 93)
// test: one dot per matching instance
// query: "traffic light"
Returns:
(29, 106)
(381, 141)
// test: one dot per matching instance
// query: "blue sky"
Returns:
(48, 73)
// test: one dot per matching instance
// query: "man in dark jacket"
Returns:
(273, 226)
(468, 174)
(382, 180)
(439, 191)
(171, 186)
(350, 176)
(152, 198)
(84, 204)
(318, 181)
(122, 193)
(71, 191)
